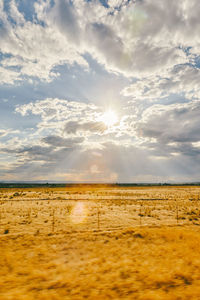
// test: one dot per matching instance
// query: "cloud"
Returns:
(172, 123)
(74, 127)
(9, 76)
(36, 48)
(58, 141)
(15, 14)
(50, 150)
(108, 47)
(8, 131)
(122, 37)
(128, 41)
(183, 79)
(162, 129)
(111, 163)
(66, 117)
(50, 108)
(170, 134)
(153, 45)
(65, 16)
(55, 113)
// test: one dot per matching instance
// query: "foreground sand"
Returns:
(124, 262)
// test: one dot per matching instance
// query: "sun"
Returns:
(109, 118)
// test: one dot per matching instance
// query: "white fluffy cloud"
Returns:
(34, 49)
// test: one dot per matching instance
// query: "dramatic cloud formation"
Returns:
(63, 64)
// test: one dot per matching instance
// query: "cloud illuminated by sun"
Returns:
(109, 118)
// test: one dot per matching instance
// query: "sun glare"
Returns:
(79, 213)
(109, 118)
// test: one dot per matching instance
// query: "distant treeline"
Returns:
(55, 185)
(31, 185)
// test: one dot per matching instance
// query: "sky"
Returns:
(100, 91)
